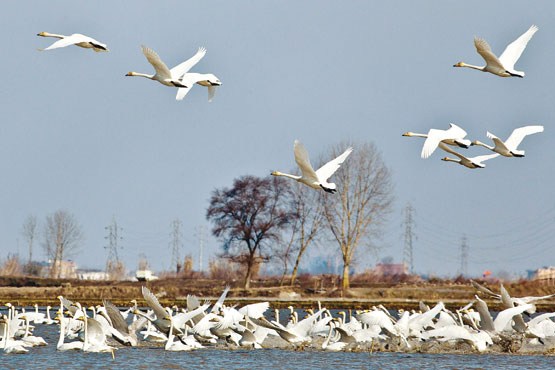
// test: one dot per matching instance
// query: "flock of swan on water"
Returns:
(105, 328)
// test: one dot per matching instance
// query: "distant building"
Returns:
(390, 269)
(92, 275)
(68, 269)
(145, 275)
(545, 275)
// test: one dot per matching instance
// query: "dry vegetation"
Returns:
(366, 291)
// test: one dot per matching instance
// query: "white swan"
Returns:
(175, 346)
(202, 79)
(10, 345)
(504, 65)
(454, 136)
(469, 162)
(508, 148)
(120, 330)
(164, 75)
(61, 346)
(76, 39)
(319, 178)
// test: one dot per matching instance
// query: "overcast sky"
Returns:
(76, 134)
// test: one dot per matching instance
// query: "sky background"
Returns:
(76, 134)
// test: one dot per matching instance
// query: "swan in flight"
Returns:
(76, 39)
(164, 75)
(504, 65)
(206, 79)
(454, 136)
(508, 148)
(315, 179)
(469, 162)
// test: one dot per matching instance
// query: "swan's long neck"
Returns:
(328, 338)
(476, 142)
(447, 159)
(277, 173)
(169, 343)
(140, 75)
(462, 64)
(414, 134)
(62, 332)
(47, 34)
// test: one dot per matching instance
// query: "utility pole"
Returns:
(113, 261)
(464, 257)
(408, 223)
(200, 235)
(176, 244)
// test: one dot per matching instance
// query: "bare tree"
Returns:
(62, 237)
(29, 233)
(247, 217)
(357, 212)
(308, 208)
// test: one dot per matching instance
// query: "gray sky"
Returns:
(76, 134)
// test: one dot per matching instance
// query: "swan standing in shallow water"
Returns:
(508, 148)
(164, 75)
(469, 162)
(504, 65)
(76, 39)
(454, 136)
(319, 178)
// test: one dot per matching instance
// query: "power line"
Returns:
(113, 237)
(409, 237)
(176, 244)
(464, 257)
(200, 235)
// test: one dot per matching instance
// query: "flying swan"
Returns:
(473, 162)
(315, 179)
(203, 79)
(454, 136)
(76, 39)
(504, 65)
(508, 148)
(169, 77)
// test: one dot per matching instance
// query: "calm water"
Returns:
(155, 358)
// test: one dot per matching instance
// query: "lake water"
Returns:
(154, 357)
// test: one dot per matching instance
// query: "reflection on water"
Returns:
(155, 357)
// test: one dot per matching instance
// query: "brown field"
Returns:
(26, 291)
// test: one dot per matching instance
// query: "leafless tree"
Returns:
(356, 213)
(62, 237)
(247, 217)
(308, 208)
(29, 233)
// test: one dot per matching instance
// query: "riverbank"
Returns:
(27, 291)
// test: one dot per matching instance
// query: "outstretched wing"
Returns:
(499, 144)
(153, 303)
(483, 48)
(514, 50)
(436, 136)
(327, 170)
(303, 161)
(180, 69)
(220, 302)
(117, 319)
(255, 310)
(482, 158)
(69, 40)
(159, 66)
(211, 93)
(520, 133)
